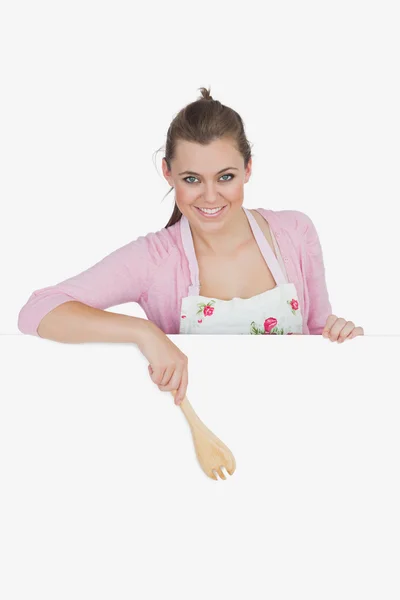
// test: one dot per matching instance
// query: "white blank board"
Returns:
(102, 495)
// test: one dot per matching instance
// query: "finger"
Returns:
(346, 331)
(174, 382)
(169, 371)
(329, 322)
(157, 374)
(181, 393)
(336, 329)
(176, 379)
(356, 331)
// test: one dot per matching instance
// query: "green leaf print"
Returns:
(277, 331)
(255, 330)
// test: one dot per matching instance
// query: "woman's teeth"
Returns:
(210, 211)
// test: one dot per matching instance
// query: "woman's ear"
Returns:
(167, 172)
(247, 171)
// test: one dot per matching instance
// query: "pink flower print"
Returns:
(200, 321)
(270, 328)
(183, 317)
(269, 324)
(206, 309)
(294, 305)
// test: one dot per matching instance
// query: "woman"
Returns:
(216, 267)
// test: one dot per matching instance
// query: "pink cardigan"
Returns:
(153, 271)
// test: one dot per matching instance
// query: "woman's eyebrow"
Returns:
(221, 171)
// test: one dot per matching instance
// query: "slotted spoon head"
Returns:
(212, 454)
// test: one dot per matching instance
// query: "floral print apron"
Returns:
(274, 312)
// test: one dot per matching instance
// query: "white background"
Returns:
(101, 494)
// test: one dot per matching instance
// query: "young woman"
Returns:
(216, 267)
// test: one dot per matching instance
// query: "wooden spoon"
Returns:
(211, 453)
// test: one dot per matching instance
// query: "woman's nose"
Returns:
(211, 195)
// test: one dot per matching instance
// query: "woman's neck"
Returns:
(227, 241)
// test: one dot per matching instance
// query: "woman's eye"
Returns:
(226, 175)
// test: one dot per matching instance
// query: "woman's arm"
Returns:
(73, 322)
(122, 276)
(319, 304)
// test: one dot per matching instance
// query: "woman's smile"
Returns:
(211, 213)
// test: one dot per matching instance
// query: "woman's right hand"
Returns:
(168, 366)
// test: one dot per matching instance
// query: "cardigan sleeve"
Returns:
(319, 304)
(122, 276)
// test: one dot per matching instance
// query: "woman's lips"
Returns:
(212, 215)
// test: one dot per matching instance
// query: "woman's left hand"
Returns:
(339, 330)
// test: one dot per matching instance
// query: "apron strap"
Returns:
(187, 241)
(266, 250)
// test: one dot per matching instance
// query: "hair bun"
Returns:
(205, 94)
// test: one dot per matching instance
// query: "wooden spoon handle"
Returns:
(189, 412)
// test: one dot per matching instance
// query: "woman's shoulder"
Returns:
(293, 221)
(286, 219)
(162, 242)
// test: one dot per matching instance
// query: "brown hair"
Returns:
(204, 121)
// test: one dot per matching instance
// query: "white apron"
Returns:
(273, 312)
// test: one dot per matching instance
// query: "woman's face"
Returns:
(202, 180)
